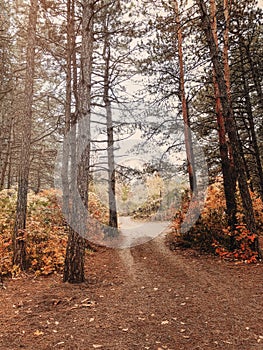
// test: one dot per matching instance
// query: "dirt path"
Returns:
(145, 297)
(139, 232)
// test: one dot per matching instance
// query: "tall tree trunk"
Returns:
(75, 254)
(228, 178)
(251, 124)
(187, 131)
(227, 4)
(85, 96)
(19, 241)
(255, 75)
(66, 145)
(230, 124)
(9, 172)
(113, 217)
(6, 157)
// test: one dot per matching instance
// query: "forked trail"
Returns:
(143, 297)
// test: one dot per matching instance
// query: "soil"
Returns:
(144, 297)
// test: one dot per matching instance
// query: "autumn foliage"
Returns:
(211, 232)
(45, 235)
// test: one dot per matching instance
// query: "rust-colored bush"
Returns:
(211, 232)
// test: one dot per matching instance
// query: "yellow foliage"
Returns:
(46, 232)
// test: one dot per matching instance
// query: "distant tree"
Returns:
(112, 68)
(5, 92)
(19, 240)
(113, 217)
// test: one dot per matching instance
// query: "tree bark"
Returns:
(66, 145)
(6, 157)
(113, 217)
(230, 124)
(9, 172)
(74, 269)
(19, 238)
(187, 131)
(228, 178)
(251, 124)
(75, 255)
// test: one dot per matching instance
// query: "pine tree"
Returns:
(19, 240)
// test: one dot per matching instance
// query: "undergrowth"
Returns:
(211, 233)
(45, 234)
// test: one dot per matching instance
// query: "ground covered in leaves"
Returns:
(146, 297)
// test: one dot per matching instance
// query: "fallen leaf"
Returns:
(38, 332)
(164, 322)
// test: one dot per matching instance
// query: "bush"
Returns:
(148, 209)
(211, 232)
(46, 232)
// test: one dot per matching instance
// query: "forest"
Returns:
(131, 152)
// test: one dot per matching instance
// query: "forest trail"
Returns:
(143, 297)
(139, 232)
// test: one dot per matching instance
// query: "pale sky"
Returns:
(260, 3)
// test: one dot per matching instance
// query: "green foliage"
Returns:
(147, 209)
(211, 233)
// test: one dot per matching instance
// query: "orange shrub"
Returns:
(211, 232)
(46, 232)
